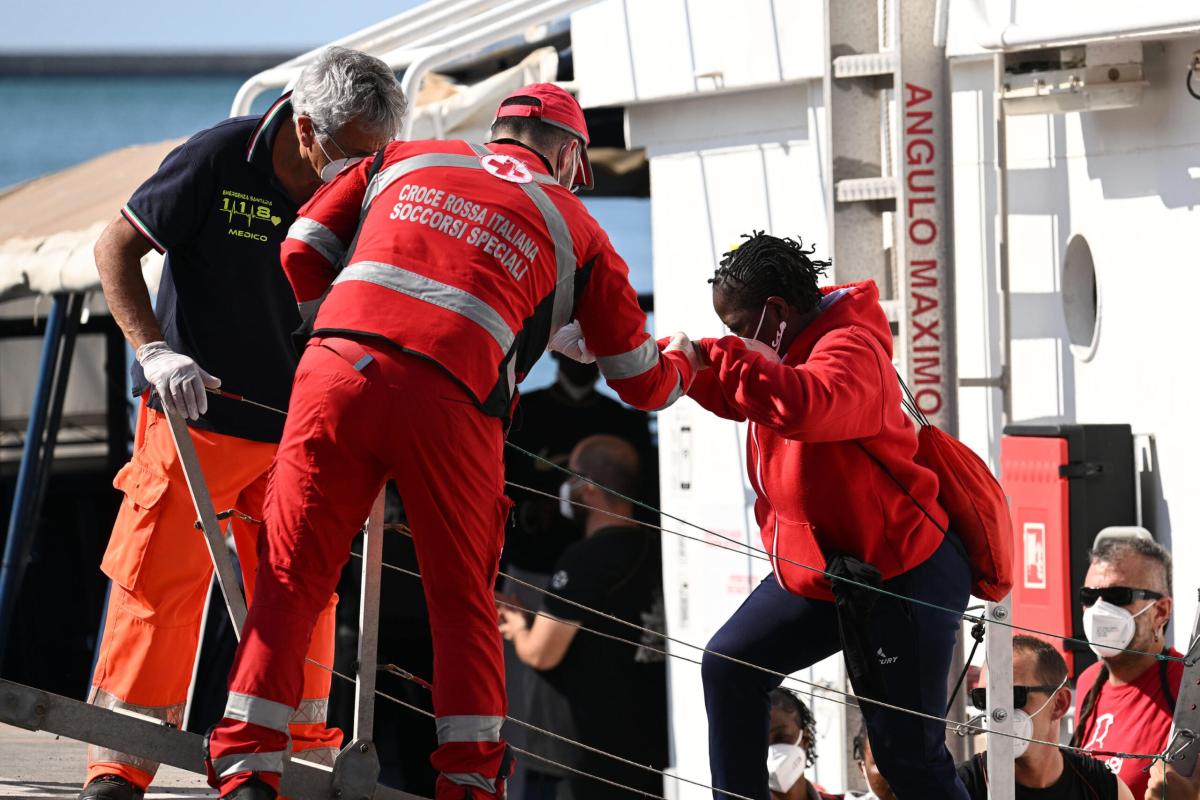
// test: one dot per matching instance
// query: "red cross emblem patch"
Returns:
(507, 168)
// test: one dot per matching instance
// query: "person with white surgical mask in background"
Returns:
(1126, 700)
(1041, 698)
(793, 749)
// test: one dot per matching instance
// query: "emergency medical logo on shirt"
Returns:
(559, 580)
(506, 168)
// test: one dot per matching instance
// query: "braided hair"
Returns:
(767, 266)
(788, 701)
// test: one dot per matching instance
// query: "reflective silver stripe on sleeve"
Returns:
(386, 177)
(564, 250)
(256, 710)
(234, 763)
(675, 394)
(318, 237)
(631, 363)
(471, 779)
(469, 728)
(427, 289)
(103, 755)
(311, 712)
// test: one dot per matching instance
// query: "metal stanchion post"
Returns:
(356, 770)
(1183, 746)
(1001, 779)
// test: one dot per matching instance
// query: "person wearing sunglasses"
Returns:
(1041, 698)
(1126, 700)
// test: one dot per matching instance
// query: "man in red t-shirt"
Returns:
(1126, 701)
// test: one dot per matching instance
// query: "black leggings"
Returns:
(785, 633)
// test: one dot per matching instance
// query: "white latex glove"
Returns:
(681, 342)
(569, 341)
(178, 380)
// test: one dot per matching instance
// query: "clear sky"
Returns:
(164, 26)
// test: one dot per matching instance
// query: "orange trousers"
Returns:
(161, 569)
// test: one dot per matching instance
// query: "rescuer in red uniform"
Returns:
(468, 260)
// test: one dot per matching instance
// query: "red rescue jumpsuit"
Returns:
(467, 259)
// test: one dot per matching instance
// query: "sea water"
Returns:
(50, 123)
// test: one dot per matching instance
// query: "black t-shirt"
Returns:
(215, 208)
(550, 424)
(1082, 778)
(617, 691)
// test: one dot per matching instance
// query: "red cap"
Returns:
(553, 106)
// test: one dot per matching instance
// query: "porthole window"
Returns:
(1081, 299)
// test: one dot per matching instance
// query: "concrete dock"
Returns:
(35, 765)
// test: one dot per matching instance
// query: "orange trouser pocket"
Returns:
(143, 487)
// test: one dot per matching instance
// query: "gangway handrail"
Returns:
(445, 25)
(1007, 35)
(425, 22)
(436, 55)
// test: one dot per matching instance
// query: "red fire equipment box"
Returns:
(1065, 483)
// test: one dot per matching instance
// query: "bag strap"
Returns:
(910, 405)
(903, 488)
(910, 402)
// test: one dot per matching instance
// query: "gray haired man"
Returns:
(218, 207)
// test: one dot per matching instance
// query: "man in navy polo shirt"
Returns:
(219, 207)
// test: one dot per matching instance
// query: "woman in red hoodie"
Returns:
(830, 456)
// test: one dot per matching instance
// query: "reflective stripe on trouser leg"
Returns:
(448, 466)
(103, 755)
(469, 728)
(259, 711)
(307, 726)
(235, 763)
(307, 540)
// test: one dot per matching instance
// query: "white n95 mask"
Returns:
(564, 500)
(785, 765)
(1109, 628)
(1022, 724)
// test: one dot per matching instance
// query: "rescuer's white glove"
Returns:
(681, 343)
(177, 379)
(569, 341)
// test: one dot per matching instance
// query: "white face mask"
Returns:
(564, 500)
(785, 764)
(778, 335)
(1022, 724)
(762, 348)
(335, 165)
(1109, 628)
